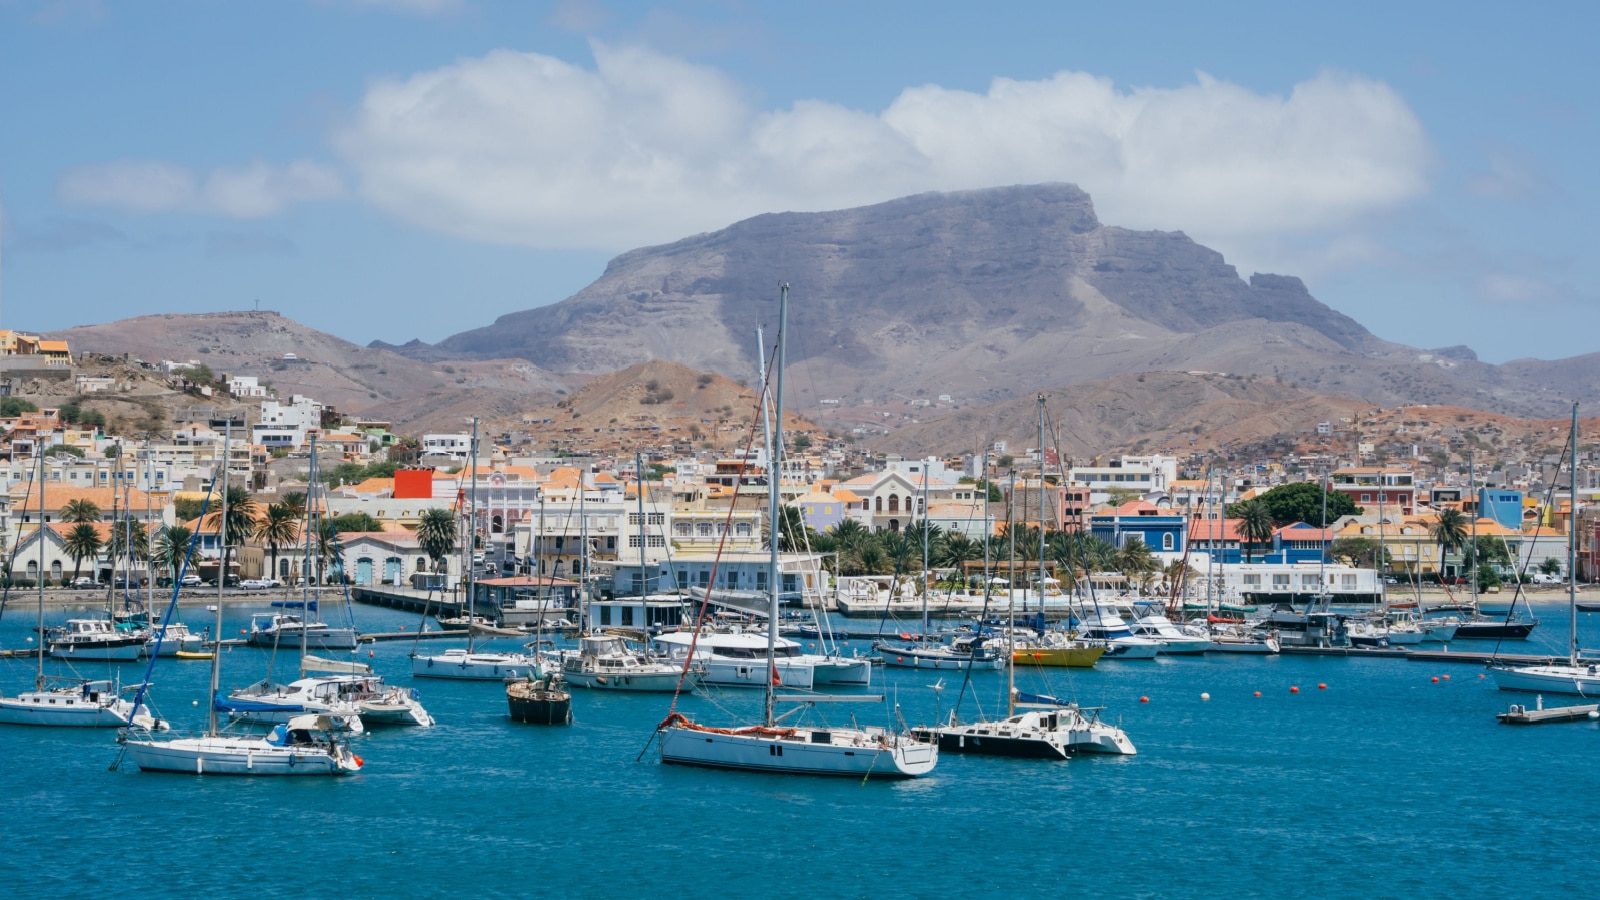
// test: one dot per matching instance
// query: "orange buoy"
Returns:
(1447, 678)
(370, 654)
(1294, 689)
(1435, 679)
(1144, 699)
(903, 659)
(1322, 686)
(1480, 675)
(359, 761)
(242, 631)
(1258, 693)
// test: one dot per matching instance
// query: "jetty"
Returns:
(1539, 715)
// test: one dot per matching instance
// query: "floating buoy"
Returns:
(1322, 686)
(242, 631)
(903, 659)
(402, 627)
(811, 643)
(1258, 693)
(1480, 675)
(370, 654)
(1435, 679)
(1294, 689)
(1205, 696)
(1594, 714)
(1447, 678)
(194, 702)
(1144, 699)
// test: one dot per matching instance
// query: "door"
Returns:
(364, 570)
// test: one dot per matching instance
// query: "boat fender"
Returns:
(430, 662)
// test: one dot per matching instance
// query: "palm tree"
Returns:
(279, 526)
(295, 502)
(172, 545)
(129, 540)
(1255, 523)
(848, 533)
(83, 542)
(955, 550)
(1450, 533)
(76, 512)
(1134, 560)
(436, 533)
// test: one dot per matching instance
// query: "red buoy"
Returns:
(1294, 689)
(1258, 693)
(1144, 699)
(903, 659)
(1447, 678)
(1322, 686)
(1435, 679)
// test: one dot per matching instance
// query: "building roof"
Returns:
(1215, 530)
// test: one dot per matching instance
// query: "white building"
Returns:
(246, 387)
(455, 446)
(1143, 474)
(287, 425)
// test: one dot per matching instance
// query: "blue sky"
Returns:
(412, 168)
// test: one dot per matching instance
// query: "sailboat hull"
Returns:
(235, 756)
(1058, 657)
(653, 682)
(58, 709)
(799, 752)
(315, 638)
(956, 741)
(532, 704)
(915, 658)
(474, 666)
(120, 650)
(1559, 679)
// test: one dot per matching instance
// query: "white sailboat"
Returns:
(470, 664)
(771, 746)
(305, 745)
(76, 703)
(1577, 675)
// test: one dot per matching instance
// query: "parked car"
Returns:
(191, 580)
(253, 584)
(1543, 578)
(272, 582)
(82, 583)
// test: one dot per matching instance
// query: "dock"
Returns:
(1429, 656)
(1521, 715)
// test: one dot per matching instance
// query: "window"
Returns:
(1252, 581)
(703, 529)
(1347, 582)
(741, 529)
(682, 529)
(1166, 541)
(656, 540)
(1366, 498)
(683, 578)
(1310, 581)
(761, 580)
(656, 518)
(1280, 582)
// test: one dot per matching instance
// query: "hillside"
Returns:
(650, 404)
(982, 295)
(1158, 411)
(352, 378)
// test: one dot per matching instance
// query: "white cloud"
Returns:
(527, 149)
(244, 192)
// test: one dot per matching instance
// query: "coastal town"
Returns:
(1418, 503)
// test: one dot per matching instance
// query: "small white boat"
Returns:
(474, 666)
(606, 662)
(170, 640)
(1174, 640)
(363, 697)
(739, 658)
(285, 630)
(88, 704)
(99, 640)
(1563, 678)
(1120, 641)
(960, 654)
(305, 745)
(1236, 637)
(1056, 732)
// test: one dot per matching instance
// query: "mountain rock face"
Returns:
(981, 293)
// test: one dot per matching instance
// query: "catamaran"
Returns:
(772, 746)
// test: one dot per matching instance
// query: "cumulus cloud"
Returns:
(243, 192)
(528, 149)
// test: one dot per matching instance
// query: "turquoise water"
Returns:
(1385, 784)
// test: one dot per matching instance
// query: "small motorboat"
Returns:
(538, 702)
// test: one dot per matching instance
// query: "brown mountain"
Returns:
(982, 295)
(650, 404)
(350, 377)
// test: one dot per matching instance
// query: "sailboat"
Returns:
(470, 664)
(305, 745)
(77, 703)
(772, 746)
(1576, 675)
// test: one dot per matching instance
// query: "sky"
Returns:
(398, 169)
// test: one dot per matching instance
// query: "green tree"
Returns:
(82, 542)
(187, 508)
(436, 533)
(54, 449)
(955, 550)
(295, 502)
(1450, 533)
(279, 525)
(11, 407)
(1550, 566)
(130, 540)
(1302, 502)
(76, 512)
(356, 521)
(791, 530)
(1119, 495)
(238, 527)
(801, 443)
(172, 545)
(1135, 562)
(1358, 551)
(1255, 522)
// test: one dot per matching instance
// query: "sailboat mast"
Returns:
(38, 678)
(644, 582)
(472, 530)
(1472, 485)
(222, 579)
(1572, 541)
(924, 547)
(772, 498)
(1041, 505)
(305, 608)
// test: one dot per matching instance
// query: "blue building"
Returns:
(1501, 505)
(1300, 543)
(1162, 530)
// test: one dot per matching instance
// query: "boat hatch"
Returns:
(821, 737)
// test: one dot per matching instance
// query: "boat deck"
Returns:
(1519, 715)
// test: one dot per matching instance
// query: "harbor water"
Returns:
(1386, 783)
